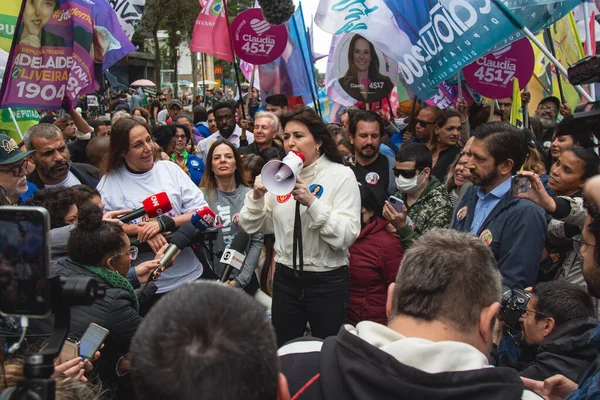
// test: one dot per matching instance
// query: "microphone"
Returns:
(153, 206)
(203, 219)
(235, 255)
(276, 12)
(180, 240)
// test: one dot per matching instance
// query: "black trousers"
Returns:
(320, 298)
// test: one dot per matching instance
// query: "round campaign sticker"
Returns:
(362, 71)
(283, 199)
(486, 237)
(462, 213)
(372, 178)
(255, 40)
(492, 75)
(316, 190)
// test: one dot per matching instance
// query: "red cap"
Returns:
(157, 204)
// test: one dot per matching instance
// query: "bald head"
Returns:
(97, 151)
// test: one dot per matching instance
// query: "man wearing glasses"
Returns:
(424, 127)
(547, 113)
(13, 168)
(558, 323)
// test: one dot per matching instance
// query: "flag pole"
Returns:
(535, 41)
(14, 120)
(558, 75)
(526, 110)
(588, 39)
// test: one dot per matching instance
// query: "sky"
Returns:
(322, 39)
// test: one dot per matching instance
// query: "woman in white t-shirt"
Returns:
(132, 175)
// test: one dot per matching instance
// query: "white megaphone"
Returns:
(279, 177)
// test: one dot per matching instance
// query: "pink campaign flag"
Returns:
(211, 35)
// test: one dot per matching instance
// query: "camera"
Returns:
(513, 305)
(586, 115)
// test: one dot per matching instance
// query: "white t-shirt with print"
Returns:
(122, 189)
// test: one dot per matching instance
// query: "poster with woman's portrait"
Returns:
(362, 71)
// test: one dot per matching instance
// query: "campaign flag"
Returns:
(292, 74)
(25, 117)
(8, 22)
(111, 43)
(129, 14)
(211, 32)
(516, 111)
(433, 39)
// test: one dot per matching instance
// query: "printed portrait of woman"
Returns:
(36, 15)
(362, 80)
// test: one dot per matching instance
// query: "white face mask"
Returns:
(408, 185)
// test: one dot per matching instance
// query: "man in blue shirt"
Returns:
(514, 229)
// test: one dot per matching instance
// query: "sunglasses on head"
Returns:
(406, 173)
(423, 123)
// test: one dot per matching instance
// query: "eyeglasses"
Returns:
(527, 313)
(133, 253)
(406, 173)
(183, 137)
(547, 108)
(423, 123)
(16, 170)
(578, 244)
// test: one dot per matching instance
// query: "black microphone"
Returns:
(235, 255)
(180, 240)
(276, 12)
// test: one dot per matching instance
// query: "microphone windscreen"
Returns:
(203, 219)
(184, 235)
(240, 241)
(276, 12)
(157, 204)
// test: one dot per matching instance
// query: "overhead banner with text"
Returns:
(433, 39)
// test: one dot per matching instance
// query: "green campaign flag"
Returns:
(26, 118)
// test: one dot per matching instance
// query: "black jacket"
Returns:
(87, 175)
(114, 312)
(347, 367)
(565, 351)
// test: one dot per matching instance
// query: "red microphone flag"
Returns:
(157, 204)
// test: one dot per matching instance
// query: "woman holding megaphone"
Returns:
(314, 225)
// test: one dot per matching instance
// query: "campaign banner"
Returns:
(255, 40)
(111, 43)
(51, 61)
(211, 35)
(492, 75)
(434, 39)
(25, 117)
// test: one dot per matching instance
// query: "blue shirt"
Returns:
(385, 150)
(487, 202)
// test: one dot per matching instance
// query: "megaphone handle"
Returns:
(297, 243)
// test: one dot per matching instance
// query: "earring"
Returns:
(317, 150)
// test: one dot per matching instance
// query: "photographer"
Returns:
(100, 249)
(567, 178)
(557, 325)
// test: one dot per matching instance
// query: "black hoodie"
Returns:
(348, 367)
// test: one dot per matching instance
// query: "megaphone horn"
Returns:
(279, 177)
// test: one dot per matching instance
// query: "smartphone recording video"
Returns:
(519, 184)
(24, 261)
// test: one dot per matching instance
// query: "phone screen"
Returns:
(24, 261)
(91, 340)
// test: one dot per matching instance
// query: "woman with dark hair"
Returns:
(567, 179)
(253, 165)
(363, 81)
(443, 143)
(566, 138)
(141, 112)
(36, 15)
(173, 139)
(374, 261)
(316, 291)
(133, 175)
(60, 203)
(224, 187)
(101, 250)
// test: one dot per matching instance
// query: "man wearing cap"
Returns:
(53, 166)
(175, 109)
(13, 168)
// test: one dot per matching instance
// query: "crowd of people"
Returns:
(386, 270)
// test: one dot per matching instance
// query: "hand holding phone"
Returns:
(91, 341)
(519, 184)
(396, 203)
